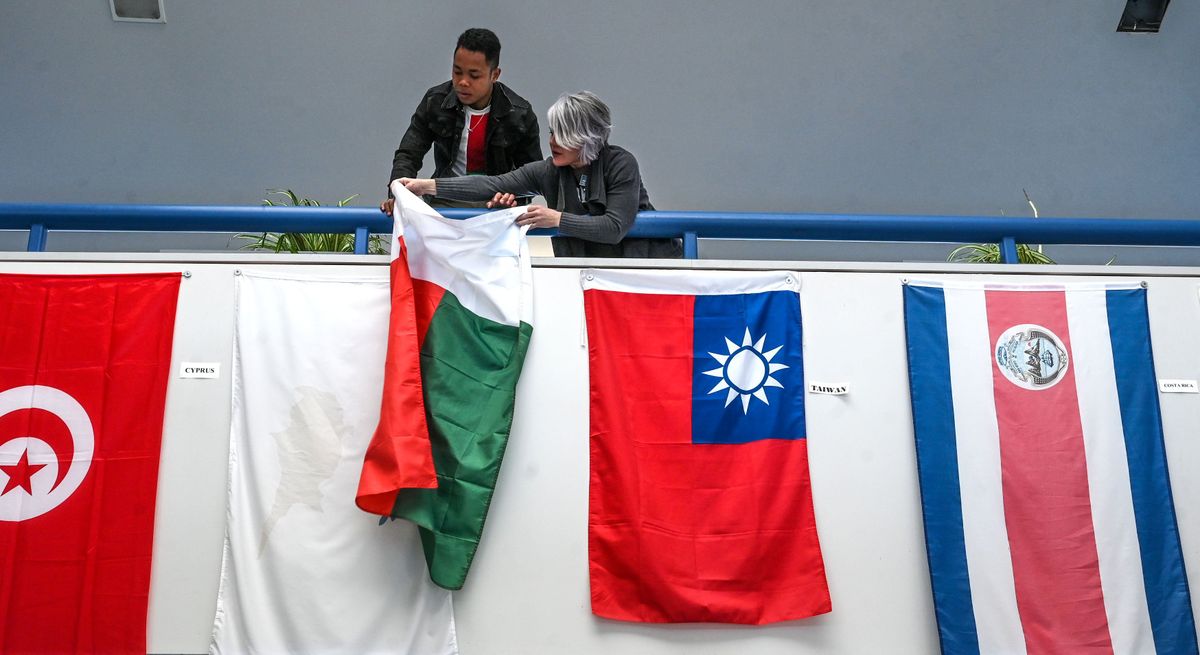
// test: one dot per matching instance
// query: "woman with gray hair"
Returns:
(593, 189)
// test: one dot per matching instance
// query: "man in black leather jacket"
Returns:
(474, 123)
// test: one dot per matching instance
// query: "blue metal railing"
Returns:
(40, 219)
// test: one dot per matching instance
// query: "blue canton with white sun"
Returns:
(747, 368)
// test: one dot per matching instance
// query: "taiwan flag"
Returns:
(84, 363)
(1047, 503)
(700, 503)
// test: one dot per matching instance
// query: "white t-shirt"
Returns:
(470, 122)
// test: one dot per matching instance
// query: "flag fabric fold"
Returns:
(1044, 486)
(700, 506)
(461, 320)
(84, 364)
(304, 570)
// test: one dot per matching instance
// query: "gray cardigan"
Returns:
(595, 228)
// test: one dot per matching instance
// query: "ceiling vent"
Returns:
(138, 11)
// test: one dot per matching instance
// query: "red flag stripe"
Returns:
(400, 455)
(1047, 506)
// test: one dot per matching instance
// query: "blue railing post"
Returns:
(37, 238)
(362, 238)
(691, 246)
(1008, 250)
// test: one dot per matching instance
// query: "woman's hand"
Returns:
(420, 186)
(540, 216)
(502, 200)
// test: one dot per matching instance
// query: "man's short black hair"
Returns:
(479, 39)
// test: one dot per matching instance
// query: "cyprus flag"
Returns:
(305, 570)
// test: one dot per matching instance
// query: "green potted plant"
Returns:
(297, 242)
(989, 253)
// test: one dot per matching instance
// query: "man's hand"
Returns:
(387, 205)
(502, 200)
(540, 216)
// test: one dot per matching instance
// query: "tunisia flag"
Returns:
(84, 362)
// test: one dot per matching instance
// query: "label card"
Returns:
(1178, 386)
(203, 370)
(830, 389)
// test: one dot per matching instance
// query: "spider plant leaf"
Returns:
(296, 242)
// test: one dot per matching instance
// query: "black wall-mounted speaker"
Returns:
(1143, 15)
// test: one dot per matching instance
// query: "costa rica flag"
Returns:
(1047, 503)
(700, 503)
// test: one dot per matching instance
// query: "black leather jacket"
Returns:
(512, 133)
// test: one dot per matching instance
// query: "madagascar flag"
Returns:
(459, 329)
(84, 362)
(700, 504)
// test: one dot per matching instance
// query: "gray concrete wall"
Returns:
(854, 106)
